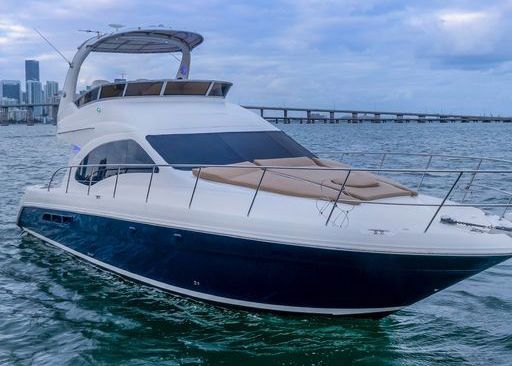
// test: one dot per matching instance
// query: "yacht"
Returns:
(171, 185)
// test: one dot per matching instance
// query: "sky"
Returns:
(421, 56)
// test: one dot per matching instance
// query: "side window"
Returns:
(117, 152)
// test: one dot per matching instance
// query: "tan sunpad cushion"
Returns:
(396, 184)
(330, 163)
(292, 186)
(311, 183)
(378, 178)
(319, 176)
(383, 190)
(300, 161)
(327, 177)
(227, 172)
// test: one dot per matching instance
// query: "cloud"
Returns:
(11, 33)
(383, 54)
(465, 39)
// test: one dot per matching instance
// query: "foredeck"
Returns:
(421, 211)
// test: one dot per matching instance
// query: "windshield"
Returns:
(225, 147)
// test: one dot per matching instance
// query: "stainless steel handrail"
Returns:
(431, 156)
(460, 172)
(335, 203)
(277, 167)
(444, 200)
(398, 153)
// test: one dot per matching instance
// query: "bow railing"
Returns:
(462, 180)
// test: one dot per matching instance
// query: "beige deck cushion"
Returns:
(320, 176)
(292, 186)
(379, 178)
(312, 183)
(396, 184)
(330, 163)
(300, 161)
(224, 174)
(326, 177)
(383, 190)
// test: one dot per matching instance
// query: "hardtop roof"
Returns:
(146, 40)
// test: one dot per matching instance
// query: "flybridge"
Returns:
(135, 41)
(207, 88)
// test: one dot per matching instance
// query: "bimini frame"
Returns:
(134, 41)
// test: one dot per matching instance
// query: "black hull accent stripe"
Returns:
(210, 298)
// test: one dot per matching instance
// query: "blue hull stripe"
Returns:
(252, 273)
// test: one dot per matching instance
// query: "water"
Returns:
(57, 310)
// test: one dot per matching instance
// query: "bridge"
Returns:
(25, 113)
(285, 115)
(319, 115)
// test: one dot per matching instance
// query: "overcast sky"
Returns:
(429, 56)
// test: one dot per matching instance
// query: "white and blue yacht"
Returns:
(175, 187)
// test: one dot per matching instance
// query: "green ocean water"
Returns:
(56, 310)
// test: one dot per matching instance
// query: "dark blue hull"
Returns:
(252, 273)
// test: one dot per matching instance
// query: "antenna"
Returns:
(98, 33)
(116, 26)
(55, 48)
(177, 59)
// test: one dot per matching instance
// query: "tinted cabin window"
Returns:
(140, 89)
(117, 152)
(226, 147)
(91, 95)
(219, 90)
(186, 88)
(112, 91)
(88, 97)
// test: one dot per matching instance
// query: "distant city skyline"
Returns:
(34, 92)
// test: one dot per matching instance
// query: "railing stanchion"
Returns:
(423, 175)
(195, 186)
(52, 178)
(90, 182)
(337, 198)
(257, 190)
(50, 182)
(382, 162)
(506, 208)
(473, 176)
(117, 179)
(444, 200)
(69, 177)
(150, 182)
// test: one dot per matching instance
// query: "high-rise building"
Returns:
(51, 95)
(31, 70)
(51, 91)
(11, 89)
(34, 96)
